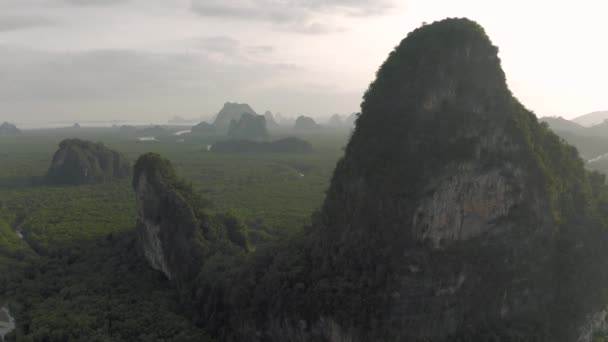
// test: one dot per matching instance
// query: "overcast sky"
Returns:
(150, 60)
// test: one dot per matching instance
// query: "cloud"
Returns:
(12, 23)
(223, 44)
(303, 16)
(95, 2)
(114, 81)
(229, 50)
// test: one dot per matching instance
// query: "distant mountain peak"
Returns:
(591, 119)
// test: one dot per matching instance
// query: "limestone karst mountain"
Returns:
(9, 129)
(175, 234)
(454, 215)
(82, 162)
(305, 123)
(248, 127)
(231, 111)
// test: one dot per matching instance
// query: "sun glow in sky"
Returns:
(153, 59)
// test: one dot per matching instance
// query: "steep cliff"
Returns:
(175, 234)
(455, 202)
(81, 162)
(454, 215)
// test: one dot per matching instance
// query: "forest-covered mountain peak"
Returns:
(454, 215)
(446, 167)
(80, 161)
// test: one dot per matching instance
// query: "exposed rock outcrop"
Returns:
(231, 111)
(249, 127)
(454, 215)
(82, 162)
(9, 129)
(450, 185)
(175, 235)
(168, 232)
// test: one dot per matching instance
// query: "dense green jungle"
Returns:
(450, 213)
(68, 271)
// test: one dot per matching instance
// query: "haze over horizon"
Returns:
(150, 60)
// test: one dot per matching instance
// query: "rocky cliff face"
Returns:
(174, 234)
(453, 216)
(81, 162)
(449, 186)
(168, 232)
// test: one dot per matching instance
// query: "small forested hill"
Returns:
(454, 215)
(81, 162)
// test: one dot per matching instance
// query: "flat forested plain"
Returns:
(66, 262)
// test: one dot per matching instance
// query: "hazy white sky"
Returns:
(153, 59)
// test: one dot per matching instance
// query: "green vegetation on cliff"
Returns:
(81, 162)
(453, 214)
